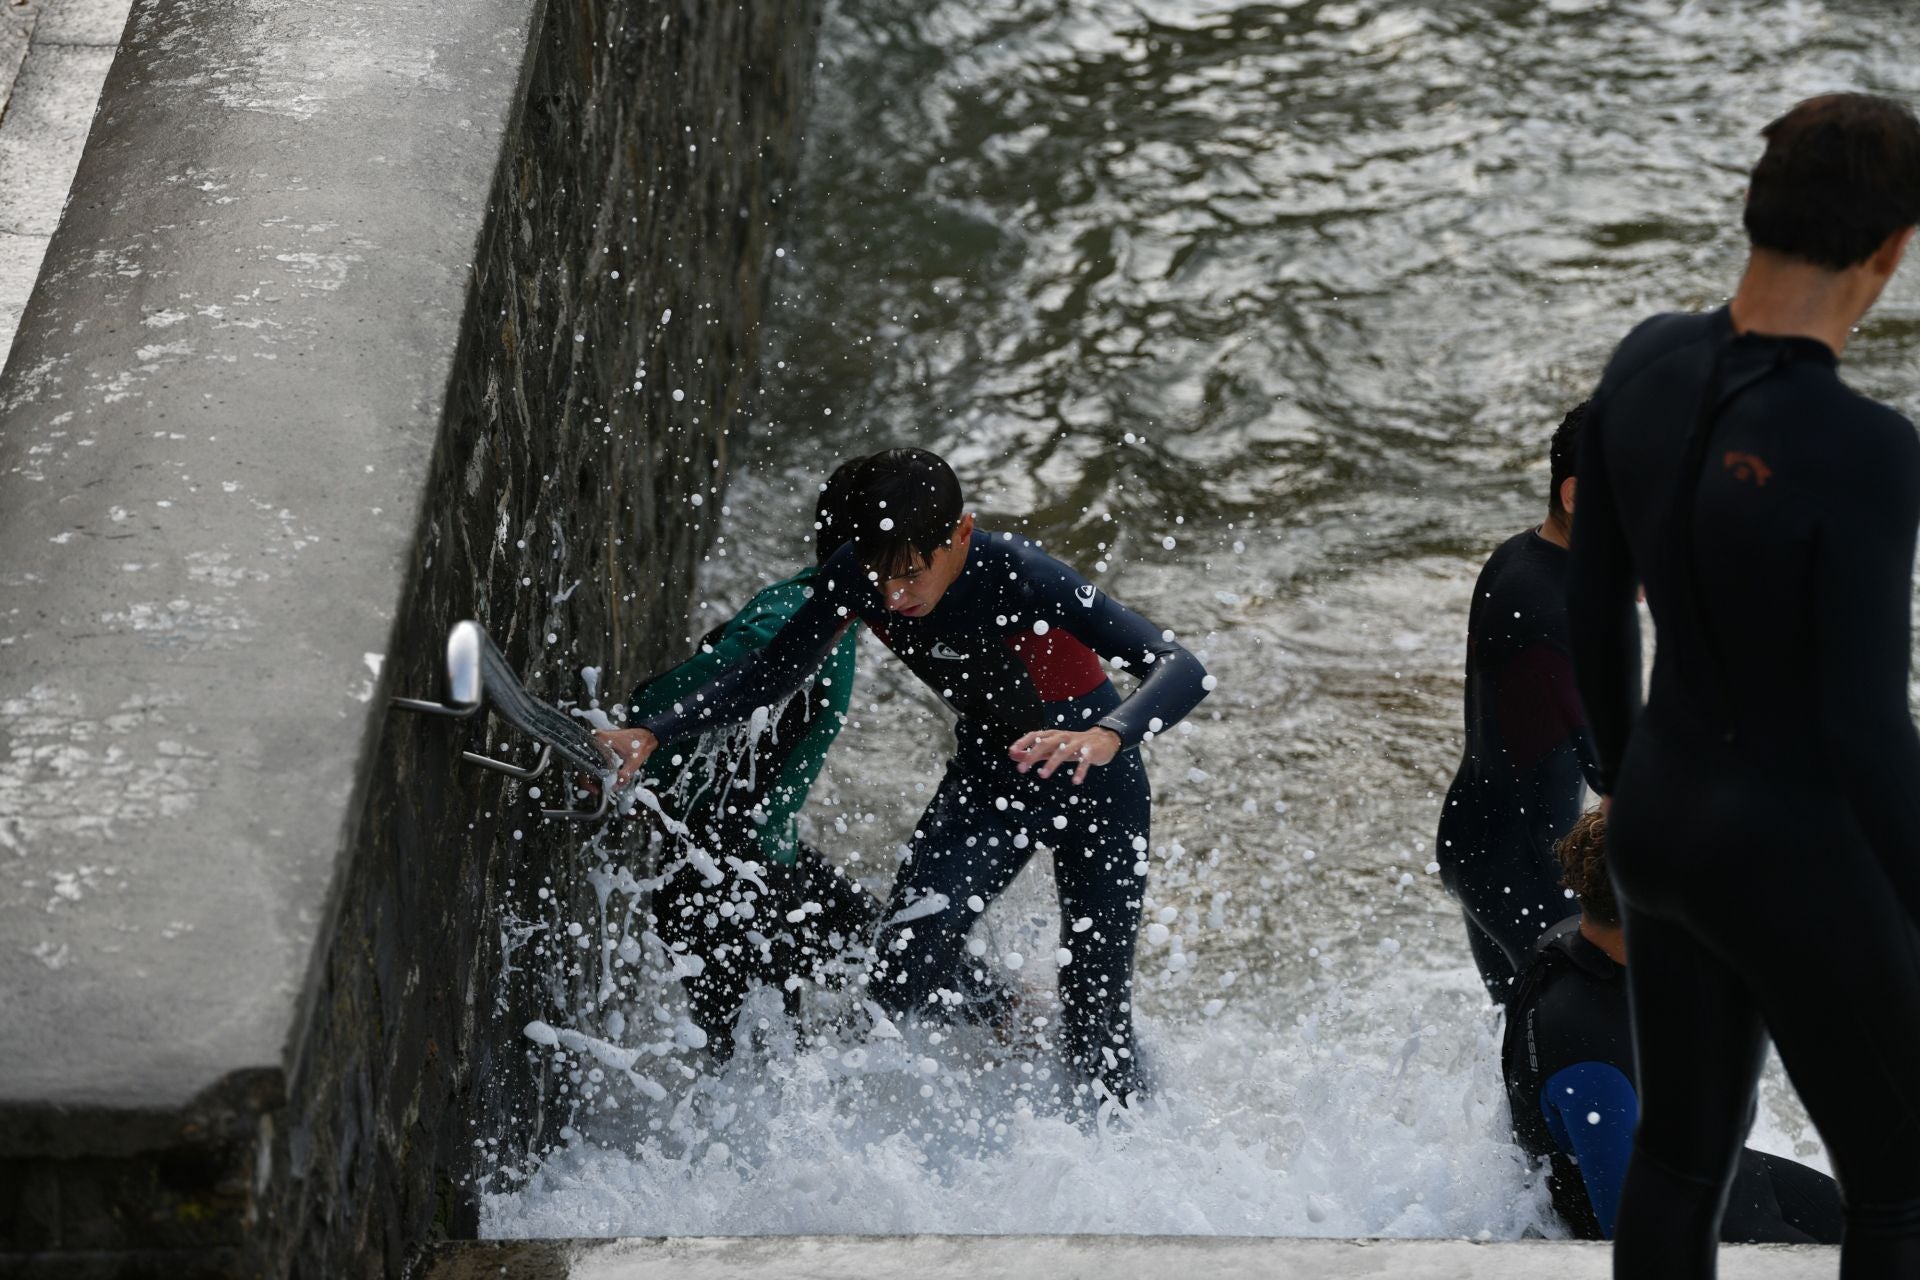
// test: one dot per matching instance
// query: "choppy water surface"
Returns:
(1268, 309)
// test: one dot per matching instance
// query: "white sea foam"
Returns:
(1372, 1114)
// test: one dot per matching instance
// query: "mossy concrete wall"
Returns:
(356, 325)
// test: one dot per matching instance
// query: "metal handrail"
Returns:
(478, 675)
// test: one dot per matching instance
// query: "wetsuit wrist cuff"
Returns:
(1120, 730)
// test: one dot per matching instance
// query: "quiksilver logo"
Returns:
(944, 651)
(1087, 594)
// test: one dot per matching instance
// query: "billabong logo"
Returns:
(1747, 466)
(942, 650)
(1087, 594)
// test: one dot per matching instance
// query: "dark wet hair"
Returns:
(905, 505)
(1564, 453)
(1583, 860)
(833, 514)
(1840, 174)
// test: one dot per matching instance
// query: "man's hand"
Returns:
(1051, 748)
(630, 747)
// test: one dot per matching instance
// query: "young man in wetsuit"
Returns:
(1046, 749)
(1523, 776)
(1568, 1063)
(1765, 808)
(736, 881)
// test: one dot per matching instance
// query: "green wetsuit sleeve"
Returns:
(743, 635)
(746, 632)
(764, 678)
(802, 768)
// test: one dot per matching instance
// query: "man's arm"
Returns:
(1602, 620)
(1863, 644)
(1538, 702)
(762, 679)
(1564, 695)
(1172, 681)
(747, 632)
(802, 766)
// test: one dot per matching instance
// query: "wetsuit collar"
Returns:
(1795, 346)
(1566, 938)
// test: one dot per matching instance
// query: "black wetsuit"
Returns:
(1765, 831)
(1522, 778)
(1014, 645)
(1568, 1062)
(707, 922)
(762, 907)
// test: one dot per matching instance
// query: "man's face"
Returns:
(912, 592)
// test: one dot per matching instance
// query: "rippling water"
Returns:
(1302, 287)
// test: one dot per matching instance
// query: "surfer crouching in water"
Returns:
(1046, 748)
(763, 906)
(1568, 1063)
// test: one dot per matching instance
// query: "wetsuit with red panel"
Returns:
(1014, 645)
(1528, 758)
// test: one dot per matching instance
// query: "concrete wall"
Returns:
(327, 353)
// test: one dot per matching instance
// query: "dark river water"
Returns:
(1262, 315)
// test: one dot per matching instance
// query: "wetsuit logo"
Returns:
(1747, 466)
(945, 651)
(1086, 595)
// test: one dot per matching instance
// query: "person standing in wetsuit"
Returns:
(734, 882)
(1523, 775)
(1568, 1063)
(1765, 818)
(1046, 749)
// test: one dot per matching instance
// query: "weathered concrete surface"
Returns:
(328, 352)
(92, 23)
(44, 128)
(16, 30)
(54, 56)
(20, 253)
(1077, 1258)
(218, 418)
(215, 427)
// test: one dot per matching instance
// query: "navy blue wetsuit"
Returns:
(1568, 1062)
(1014, 645)
(1765, 831)
(1522, 778)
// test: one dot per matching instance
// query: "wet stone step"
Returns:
(1073, 1258)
